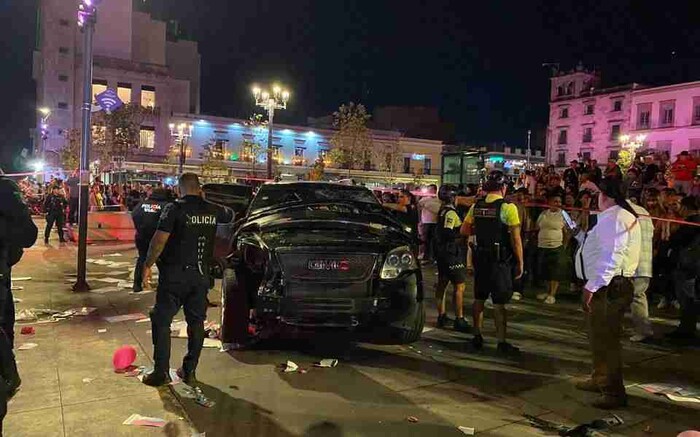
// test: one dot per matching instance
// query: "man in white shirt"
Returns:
(606, 261)
(429, 207)
(642, 277)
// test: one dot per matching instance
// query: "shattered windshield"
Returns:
(288, 194)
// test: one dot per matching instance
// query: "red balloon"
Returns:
(124, 357)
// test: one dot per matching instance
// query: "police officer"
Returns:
(498, 256)
(183, 246)
(145, 216)
(55, 208)
(451, 256)
(17, 231)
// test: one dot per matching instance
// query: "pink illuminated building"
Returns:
(586, 121)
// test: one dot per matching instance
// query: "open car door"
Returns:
(234, 196)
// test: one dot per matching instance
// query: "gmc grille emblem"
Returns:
(342, 265)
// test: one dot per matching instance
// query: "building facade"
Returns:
(586, 122)
(132, 55)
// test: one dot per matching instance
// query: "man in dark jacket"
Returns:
(17, 231)
(55, 207)
(145, 216)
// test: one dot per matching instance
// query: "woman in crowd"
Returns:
(550, 245)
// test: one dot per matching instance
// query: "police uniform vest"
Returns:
(446, 238)
(492, 235)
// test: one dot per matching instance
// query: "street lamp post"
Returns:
(87, 17)
(529, 133)
(45, 114)
(270, 102)
(182, 132)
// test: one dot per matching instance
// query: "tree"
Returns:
(352, 142)
(390, 157)
(116, 133)
(70, 152)
(317, 170)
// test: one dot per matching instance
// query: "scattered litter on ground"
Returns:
(88, 380)
(107, 255)
(146, 320)
(108, 280)
(467, 430)
(123, 357)
(673, 392)
(101, 331)
(45, 315)
(212, 329)
(578, 430)
(178, 329)
(125, 284)
(139, 420)
(105, 290)
(27, 330)
(327, 363)
(27, 346)
(17, 300)
(679, 398)
(16, 288)
(133, 371)
(412, 419)
(118, 264)
(90, 260)
(291, 367)
(213, 343)
(101, 262)
(142, 292)
(25, 316)
(22, 278)
(198, 395)
(124, 317)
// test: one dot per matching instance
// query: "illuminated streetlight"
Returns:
(630, 146)
(181, 132)
(278, 100)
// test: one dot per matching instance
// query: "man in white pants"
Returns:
(642, 277)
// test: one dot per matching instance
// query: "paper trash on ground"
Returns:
(139, 420)
(212, 342)
(16, 288)
(101, 331)
(125, 317)
(24, 278)
(466, 430)
(108, 280)
(105, 290)
(118, 264)
(111, 254)
(102, 262)
(679, 398)
(88, 380)
(146, 320)
(27, 346)
(327, 363)
(142, 292)
(291, 367)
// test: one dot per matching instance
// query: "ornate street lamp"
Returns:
(181, 132)
(270, 102)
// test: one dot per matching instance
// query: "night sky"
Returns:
(480, 63)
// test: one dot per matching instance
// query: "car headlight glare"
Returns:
(398, 261)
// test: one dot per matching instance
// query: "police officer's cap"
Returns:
(495, 181)
(447, 193)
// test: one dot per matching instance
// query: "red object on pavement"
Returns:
(28, 330)
(124, 357)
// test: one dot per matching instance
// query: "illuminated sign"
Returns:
(496, 159)
(418, 157)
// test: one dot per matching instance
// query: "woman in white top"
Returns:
(550, 247)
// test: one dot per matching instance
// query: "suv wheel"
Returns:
(412, 325)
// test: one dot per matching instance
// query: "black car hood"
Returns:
(303, 227)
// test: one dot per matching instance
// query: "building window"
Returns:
(562, 137)
(587, 134)
(564, 113)
(667, 113)
(299, 156)
(63, 50)
(62, 105)
(589, 109)
(64, 22)
(569, 88)
(586, 156)
(617, 105)
(644, 116)
(98, 87)
(614, 154)
(247, 151)
(614, 132)
(147, 138)
(277, 153)
(427, 166)
(561, 159)
(407, 164)
(219, 149)
(62, 78)
(560, 91)
(148, 97)
(696, 110)
(124, 92)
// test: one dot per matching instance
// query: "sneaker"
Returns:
(156, 379)
(507, 348)
(587, 385)
(517, 296)
(676, 305)
(488, 303)
(187, 378)
(610, 402)
(462, 325)
(542, 296)
(442, 321)
(550, 300)
(478, 342)
(663, 304)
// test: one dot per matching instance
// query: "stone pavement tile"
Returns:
(465, 405)
(45, 422)
(524, 429)
(404, 372)
(105, 417)
(40, 389)
(678, 366)
(662, 426)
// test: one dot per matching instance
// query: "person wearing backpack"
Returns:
(684, 254)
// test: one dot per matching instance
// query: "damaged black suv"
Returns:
(317, 255)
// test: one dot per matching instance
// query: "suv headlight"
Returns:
(398, 261)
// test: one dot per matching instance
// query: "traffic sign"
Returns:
(109, 101)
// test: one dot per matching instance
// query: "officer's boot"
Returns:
(8, 367)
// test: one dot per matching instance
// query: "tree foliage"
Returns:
(352, 142)
(70, 152)
(116, 133)
(317, 170)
